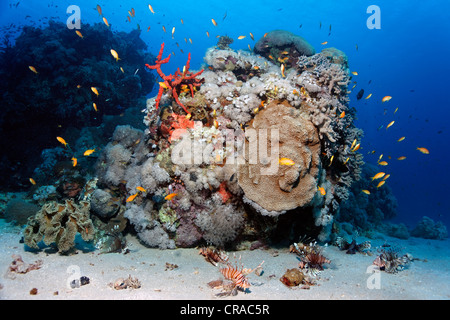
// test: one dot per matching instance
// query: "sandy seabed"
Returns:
(347, 277)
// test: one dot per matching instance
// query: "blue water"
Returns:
(408, 59)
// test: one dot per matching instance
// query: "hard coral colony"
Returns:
(196, 179)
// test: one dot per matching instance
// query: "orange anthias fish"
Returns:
(386, 98)
(324, 43)
(74, 161)
(32, 181)
(366, 191)
(170, 196)
(99, 9)
(282, 71)
(381, 183)
(62, 141)
(141, 189)
(33, 69)
(286, 162)
(401, 139)
(322, 190)
(354, 73)
(383, 163)
(356, 147)
(378, 176)
(368, 96)
(251, 36)
(115, 54)
(131, 198)
(94, 90)
(342, 115)
(88, 152)
(423, 150)
(214, 22)
(401, 158)
(390, 124)
(95, 106)
(106, 22)
(79, 34)
(241, 37)
(151, 9)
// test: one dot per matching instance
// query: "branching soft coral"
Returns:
(177, 82)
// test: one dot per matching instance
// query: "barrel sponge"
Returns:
(282, 39)
(289, 186)
(59, 223)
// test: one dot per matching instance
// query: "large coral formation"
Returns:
(59, 223)
(197, 178)
(58, 100)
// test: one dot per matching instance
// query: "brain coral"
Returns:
(291, 186)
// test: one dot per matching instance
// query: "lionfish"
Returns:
(352, 247)
(391, 261)
(310, 257)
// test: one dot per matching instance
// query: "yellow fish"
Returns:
(390, 124)
(131, 198)
(401, 158)
(366, 191)
(423, 150)
(164, 28)
(74, 161)
(324, 43)
(115, 54)
(282, 71)
(386, 98)
(241, 37)
(342, 115)
(170, 196)
(322, 191)
(383, 163)
(378, 176)
(368, 96)
(356, 147)
(386, 176)
(163, 85)
(94, 90)
(79, 34)
(99, 9)
(251, 36)
(141, 189)
(354, 73)
(95, 106)
(396, 109)
(381, 183)
(33, 69)
(286, 162)
(214, 22)
(121, 69)
(353, 144)
(401, 139)
(32, 181)
(173, 31)
(151, 9)
(346, 160)
(88, 152)
(207, 33)
(331, 160)
(105, 21)
(62, 141)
